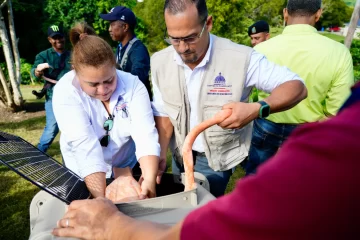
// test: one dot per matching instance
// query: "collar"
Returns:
(53, 51)
(299, 28)
(205, 60)
(121, 46)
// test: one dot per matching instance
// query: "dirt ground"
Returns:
(31, 110)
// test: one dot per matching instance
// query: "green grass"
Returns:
(16, 193)
(335, 37)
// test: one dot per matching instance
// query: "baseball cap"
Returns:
(258, 27)
(54, 30)
(120, 13)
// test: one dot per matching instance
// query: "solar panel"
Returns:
(40, 169)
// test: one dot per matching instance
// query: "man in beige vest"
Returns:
(198, 76)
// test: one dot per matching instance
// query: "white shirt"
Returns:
(261, 73)
(81, 118)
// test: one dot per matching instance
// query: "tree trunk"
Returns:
(14, 42)
(353, 24)
(9, 101)
(9, 61)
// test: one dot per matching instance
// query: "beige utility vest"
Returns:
(222, 82)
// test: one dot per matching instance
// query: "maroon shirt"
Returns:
(309, 190)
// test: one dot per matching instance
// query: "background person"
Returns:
(51, 65)
(131, 54)
(324, 64)
(103, 114)
(259, 32)
(198, 75)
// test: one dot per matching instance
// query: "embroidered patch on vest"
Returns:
(219, 87)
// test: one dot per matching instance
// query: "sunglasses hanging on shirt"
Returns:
(108, 125)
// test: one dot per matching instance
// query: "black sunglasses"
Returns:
(108, 125)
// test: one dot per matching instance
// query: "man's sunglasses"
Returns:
(108, 125)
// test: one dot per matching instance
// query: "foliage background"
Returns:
(231, 19)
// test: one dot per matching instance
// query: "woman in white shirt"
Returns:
(106, 121)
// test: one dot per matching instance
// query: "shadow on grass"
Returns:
(34, 106)
(29, 124)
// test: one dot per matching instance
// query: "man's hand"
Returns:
(39, 70)
(242, 114)
(90, 219)
(124, 189)
(99, 219)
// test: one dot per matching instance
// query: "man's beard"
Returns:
(193, 59)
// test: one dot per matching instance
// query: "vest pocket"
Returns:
(173, 111)
(209, 111)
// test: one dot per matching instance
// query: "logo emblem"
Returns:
(121, 105)
(219, 81)
(219, 87)
(54, 28)
(253, 30)
(111, 10)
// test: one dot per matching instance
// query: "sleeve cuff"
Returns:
(151, 150)
(92, 169)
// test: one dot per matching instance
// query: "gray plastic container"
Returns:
(46, 210)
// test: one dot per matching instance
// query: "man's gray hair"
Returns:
(299, 8)
(179, 6)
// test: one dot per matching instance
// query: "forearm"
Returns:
(149, 167)
(122, 172)
(138, 230)
(96, 184)
(286, 96)
(165, 131)
(49, 80)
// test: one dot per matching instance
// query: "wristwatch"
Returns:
(264, 109)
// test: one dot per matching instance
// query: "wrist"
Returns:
(256, 109)
(149, 167)
(112, 227)
(123, 172)
(264, 110)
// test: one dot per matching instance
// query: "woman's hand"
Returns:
(149, 168)
(148, 188)
(123, 189)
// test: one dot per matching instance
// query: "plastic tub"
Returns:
(170, 207)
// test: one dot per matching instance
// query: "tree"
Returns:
(228, 16)
(152, 14)
(335, 13)
(353, 24)
(270, 11)
(229, 19)
(67, 12)
(15, 100)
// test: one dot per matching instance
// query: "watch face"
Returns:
(265, 111)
